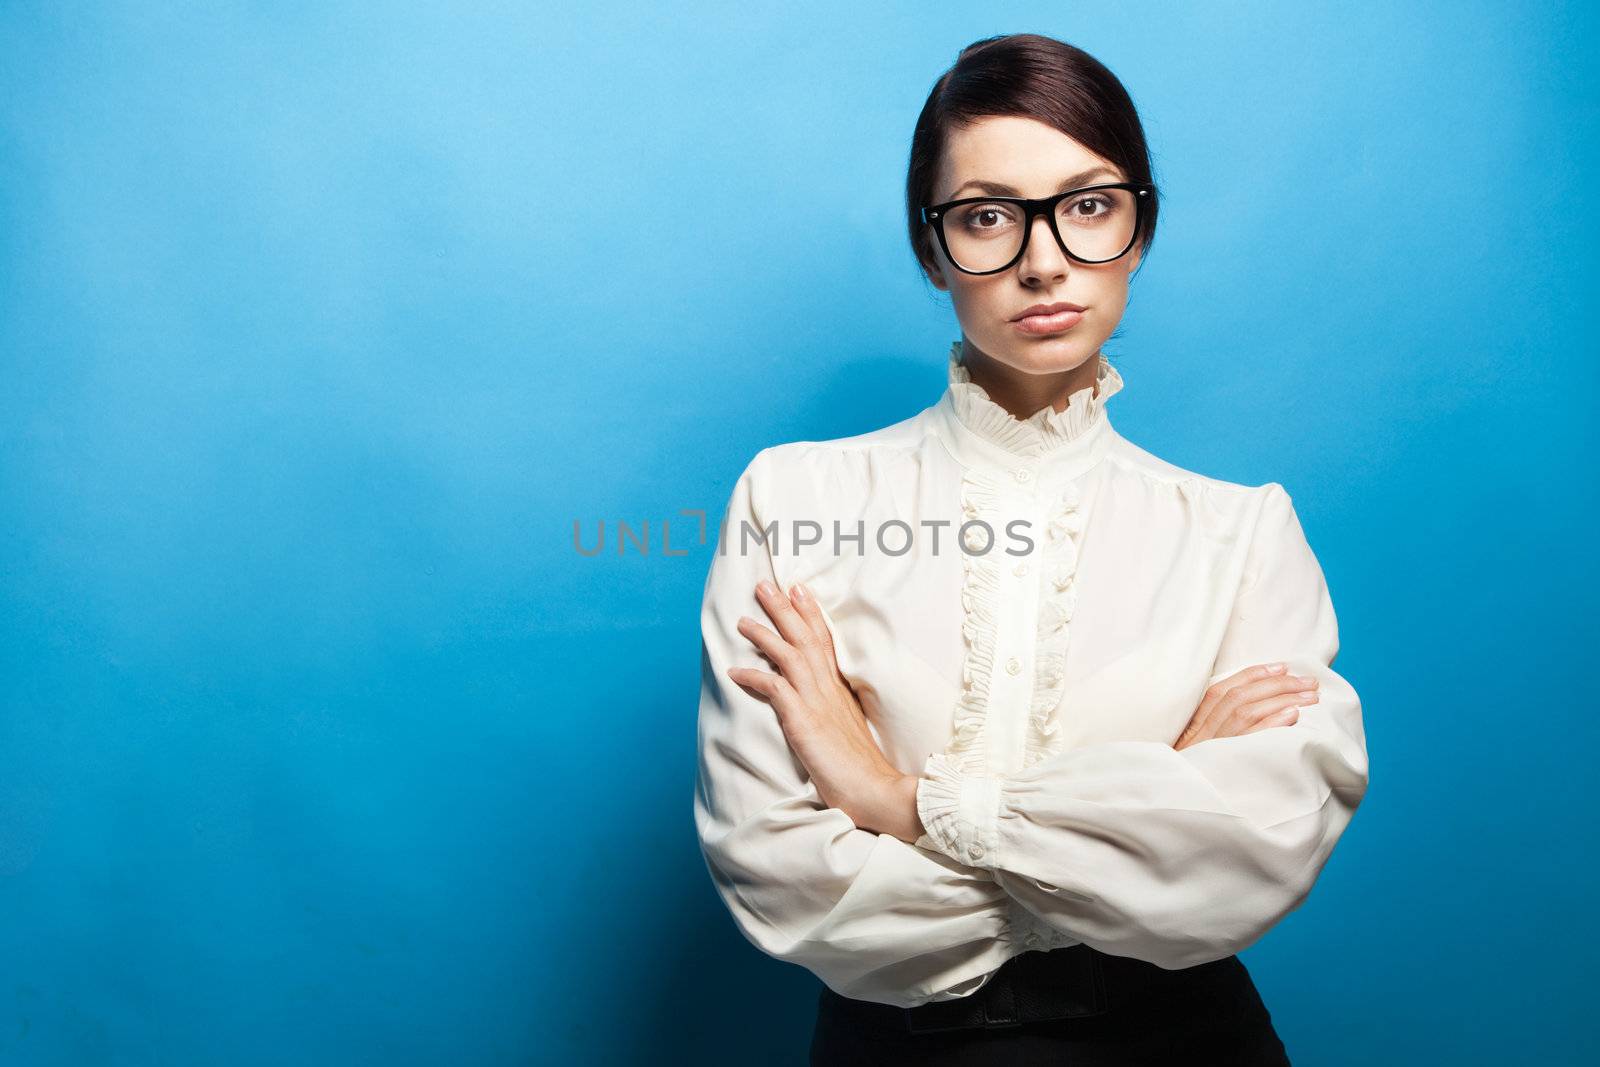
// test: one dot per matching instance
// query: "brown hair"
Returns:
(1036, 77)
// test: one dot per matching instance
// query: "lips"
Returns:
(1048, 309)
(1041, 325)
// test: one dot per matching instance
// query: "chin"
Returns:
(1048, 355)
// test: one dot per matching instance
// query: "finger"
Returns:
(811, 614)
(1247, 716)
(801, 636)
(1221, 686)
(1279, 718)
(779, 694)
(1187, 737)
(785, 656)
(1266, 688)
(794, 629)
(1284, 717)
(1215, 706)
(806, 605)
(758, 684)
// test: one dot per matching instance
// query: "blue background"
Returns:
(320, 326)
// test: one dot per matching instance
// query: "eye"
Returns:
(1091, 208)
(980, 218)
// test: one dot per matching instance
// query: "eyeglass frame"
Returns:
(934, 215)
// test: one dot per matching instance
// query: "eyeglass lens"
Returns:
(1096, 225)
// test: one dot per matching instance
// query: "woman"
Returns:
(1010, 732)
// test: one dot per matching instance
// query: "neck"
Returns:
(1021, 393)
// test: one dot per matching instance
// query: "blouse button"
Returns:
(975, 851)
(1021, 474)
(1020, 569)
(1013, 665)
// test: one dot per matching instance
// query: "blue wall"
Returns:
(319, 327)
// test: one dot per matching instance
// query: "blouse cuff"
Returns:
(961, 813)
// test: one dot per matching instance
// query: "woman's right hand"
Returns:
(1252, 699)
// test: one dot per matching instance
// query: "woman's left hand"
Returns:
(821, 717)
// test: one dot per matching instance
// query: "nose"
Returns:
(1043, 260)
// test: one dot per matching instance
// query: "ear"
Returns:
(930, 264)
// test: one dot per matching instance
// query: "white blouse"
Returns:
(1036, 677)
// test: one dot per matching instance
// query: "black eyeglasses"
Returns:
(990, 233)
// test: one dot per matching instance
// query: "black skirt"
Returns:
(1072, 1005)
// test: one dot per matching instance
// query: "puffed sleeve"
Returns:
(872, 916)
(1182, 857)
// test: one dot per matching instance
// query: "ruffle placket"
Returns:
(963, 766)
(980, 601)
(980, 592)
(1056, 605)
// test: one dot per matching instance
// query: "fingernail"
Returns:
(1277, 668)
(766, 587)
(1305, 680)
(799, 590)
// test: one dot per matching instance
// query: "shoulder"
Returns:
(1238, 506)
(1152, 468)
(1144, 464)
(834, 467)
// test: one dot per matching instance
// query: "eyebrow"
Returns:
(1001, 189)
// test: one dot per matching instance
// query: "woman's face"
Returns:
(1029, 159)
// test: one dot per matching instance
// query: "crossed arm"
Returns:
(1177, 855)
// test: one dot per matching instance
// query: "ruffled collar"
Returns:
(1044, 433)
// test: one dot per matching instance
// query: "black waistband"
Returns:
(1060, 984)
